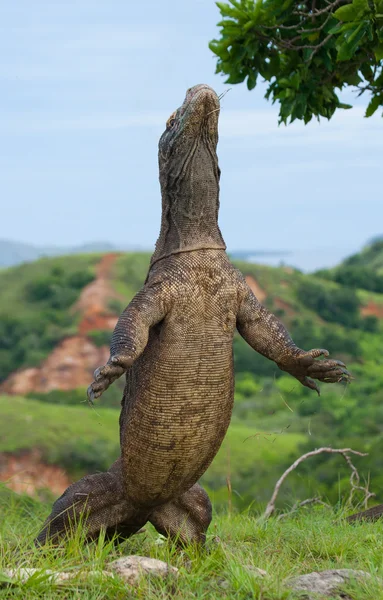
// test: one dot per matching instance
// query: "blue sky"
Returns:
(86, 88)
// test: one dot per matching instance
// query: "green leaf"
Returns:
(367, 71)
(295, 81)
(348, 48)
(346, 13)
(228, 11)
(251, 80)
(378, 51)
(257, 9)
(353, 79)
(341, 27)
(236, 77)
(374, 104)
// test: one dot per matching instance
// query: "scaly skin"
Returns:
(174, 342)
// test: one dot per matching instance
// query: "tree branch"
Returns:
(270, 508)
(317, 13)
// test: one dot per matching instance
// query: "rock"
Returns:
(22, 575)
(324, 583)
(131, 568)
(256, 571)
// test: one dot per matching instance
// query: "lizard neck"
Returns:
(190, 207)
(188, 225)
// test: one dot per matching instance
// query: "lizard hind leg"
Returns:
(97, 501)
(185, 519)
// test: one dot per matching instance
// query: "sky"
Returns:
(86, 88)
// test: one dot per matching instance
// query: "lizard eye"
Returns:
(171, 120)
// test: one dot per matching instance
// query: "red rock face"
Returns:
(26, 473)
(72, 363)
(372, 309)
(69, 366)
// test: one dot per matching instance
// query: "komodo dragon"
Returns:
(174, 342)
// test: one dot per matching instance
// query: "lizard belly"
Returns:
(177, 410)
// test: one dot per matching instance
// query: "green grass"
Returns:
(313, 540)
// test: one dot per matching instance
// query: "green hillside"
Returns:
(275, 418)
(363, 270)
(35, 303)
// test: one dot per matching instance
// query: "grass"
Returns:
(313, 540)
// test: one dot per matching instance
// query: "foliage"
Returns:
(57, 289)
(34, 308)
(313, 540)
(363, 270)
(100, 337)
(371, 257)
(335, 305)
(305, 50)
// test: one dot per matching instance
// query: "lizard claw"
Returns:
(106, 375)
(305, 367)
(306, 358)
(90, 395)
(310, 383)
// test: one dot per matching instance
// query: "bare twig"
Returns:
(355, 483)
(317, 13)
(270, 508)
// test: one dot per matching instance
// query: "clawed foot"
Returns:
(106, 375)
(304, 367)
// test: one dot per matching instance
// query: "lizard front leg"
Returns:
(131, 334)
(266, 334)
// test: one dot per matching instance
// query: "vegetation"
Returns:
(34, 308)
(313, 540)
(307, 51)
(363, 270)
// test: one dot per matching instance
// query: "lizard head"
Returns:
(189, 176)
(192, 126)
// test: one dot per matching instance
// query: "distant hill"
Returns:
(371, 256)
(13, 253)
(363, 270)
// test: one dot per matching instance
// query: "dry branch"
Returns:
(354, 478)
